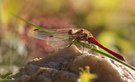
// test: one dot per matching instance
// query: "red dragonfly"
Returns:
(65, 37)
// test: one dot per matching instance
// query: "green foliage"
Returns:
(6, 77)
(6, 8)
(86, 76)
(114, 41)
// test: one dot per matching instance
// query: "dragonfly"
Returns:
(66, 37)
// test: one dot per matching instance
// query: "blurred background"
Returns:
(112, 22)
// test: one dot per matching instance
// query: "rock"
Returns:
(63, 66)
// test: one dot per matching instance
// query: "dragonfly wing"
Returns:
(54, 39)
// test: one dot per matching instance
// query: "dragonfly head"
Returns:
(79, 35)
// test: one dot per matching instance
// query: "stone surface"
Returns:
(63, 66)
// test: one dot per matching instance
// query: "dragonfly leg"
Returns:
(92, 46)
(83, 47)
(71, 42)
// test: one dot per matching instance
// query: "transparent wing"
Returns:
(58, 39)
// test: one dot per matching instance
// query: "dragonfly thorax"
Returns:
(79, 35)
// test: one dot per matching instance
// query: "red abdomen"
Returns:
(94, 41)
